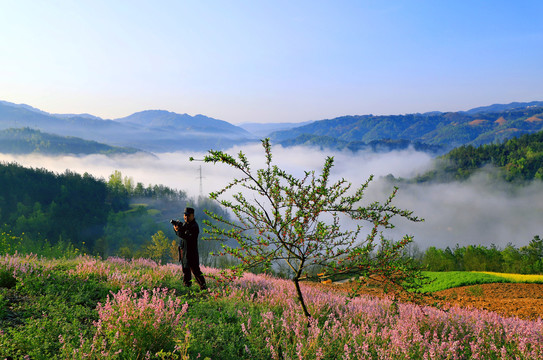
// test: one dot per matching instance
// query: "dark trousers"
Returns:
(194, 269)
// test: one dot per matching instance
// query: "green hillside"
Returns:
(26, 141)
(449, 130)
(518, 159)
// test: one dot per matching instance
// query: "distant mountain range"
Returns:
(261, 130)
(448, 130)
(152, 130)
(504, 107)
(164, 131)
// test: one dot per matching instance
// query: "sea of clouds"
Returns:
(479, 211)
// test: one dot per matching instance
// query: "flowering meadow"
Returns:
(87, 308)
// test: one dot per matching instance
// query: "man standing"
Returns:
(188, 249)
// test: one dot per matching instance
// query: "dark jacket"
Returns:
(189, 243)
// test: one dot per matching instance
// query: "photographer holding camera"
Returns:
(188, 248)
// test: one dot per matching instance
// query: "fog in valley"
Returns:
(479, 211)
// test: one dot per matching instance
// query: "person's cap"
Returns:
(189, 211)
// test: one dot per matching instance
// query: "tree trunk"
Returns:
(300, 296)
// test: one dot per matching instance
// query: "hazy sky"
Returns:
(269, 61)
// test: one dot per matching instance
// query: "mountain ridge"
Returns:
(164, 131)
(164, 118)
(134, 131)
(450, 129)
(503, 107)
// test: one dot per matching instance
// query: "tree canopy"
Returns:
(298, 221)
(41, 208)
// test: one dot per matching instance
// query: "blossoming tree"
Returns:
(281, 218)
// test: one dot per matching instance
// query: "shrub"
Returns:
(7, 280)
(132, 326)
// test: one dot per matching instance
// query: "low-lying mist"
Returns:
(479, 211)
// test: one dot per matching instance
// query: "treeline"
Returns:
(40, 209)
(524, 260)
(519, 159)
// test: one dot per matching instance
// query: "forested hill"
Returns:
(26, 141)
(451, 129)
(518, 159)
(40, 208)
(46, 206)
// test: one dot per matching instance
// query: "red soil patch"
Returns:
(534, 119)
(500, 121)
(477, 122)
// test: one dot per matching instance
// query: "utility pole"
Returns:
(201, 177)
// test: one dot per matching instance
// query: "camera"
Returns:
(176, 223)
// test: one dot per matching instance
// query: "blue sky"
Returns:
(269, 61)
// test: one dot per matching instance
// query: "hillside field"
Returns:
(450, 279)
(511, 295)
